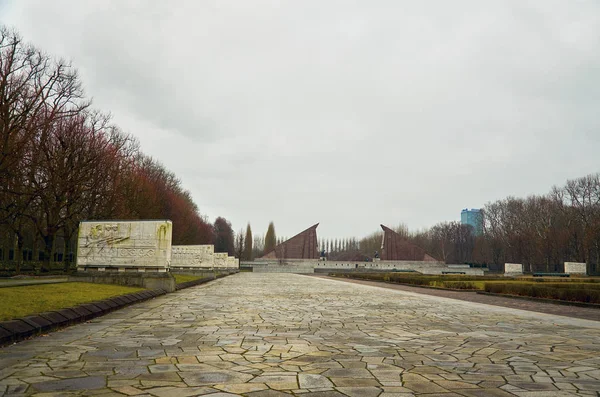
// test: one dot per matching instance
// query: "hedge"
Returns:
(581, 292)
(440, 281)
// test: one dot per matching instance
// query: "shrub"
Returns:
(457, 285)
(575, 292)
(443, 281)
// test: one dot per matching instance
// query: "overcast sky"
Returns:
(347, 113)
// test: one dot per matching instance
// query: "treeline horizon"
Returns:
(62, 161)
(539, 231)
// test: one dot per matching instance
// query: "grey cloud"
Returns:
(358, 113)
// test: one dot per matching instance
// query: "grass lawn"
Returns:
(184, 278)
(31, 299)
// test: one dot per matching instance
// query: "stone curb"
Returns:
(21, 328)
(193, 283)
(544, 300)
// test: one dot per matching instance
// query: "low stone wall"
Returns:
(201, 257)
(298, 269)
(207, 272)
(320, 266)
(147, 280)
(141, 246)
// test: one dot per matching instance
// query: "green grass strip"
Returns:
(184, 278)
(23, 301)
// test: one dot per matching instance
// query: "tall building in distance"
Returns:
(474, 218)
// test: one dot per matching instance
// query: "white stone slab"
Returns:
(124, 245)
(575, 268)
(221, 259)
(192, 256)
(233, 262)
(513, 268)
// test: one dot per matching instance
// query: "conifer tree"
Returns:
(270, 238)
(248, 244)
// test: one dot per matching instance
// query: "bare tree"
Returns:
(239, 243)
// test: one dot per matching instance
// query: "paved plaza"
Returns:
(285, 334)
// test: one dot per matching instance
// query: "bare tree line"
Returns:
(540, 231)
(61, 161)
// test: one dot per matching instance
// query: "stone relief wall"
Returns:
(192, 256)
(233, 262)
(124, 245)
(221, 259)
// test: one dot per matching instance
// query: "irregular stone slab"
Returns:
(212, 378)
(326, 394)
(309, 381)
(240, 388)
(170, 391)
(268, 393)
(348, 373)
(360, 391)
(291, 331)
(85, 383)
(222, 395)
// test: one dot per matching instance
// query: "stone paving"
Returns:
(269, 335)
(569, 310)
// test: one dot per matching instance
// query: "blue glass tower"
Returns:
(474, 218)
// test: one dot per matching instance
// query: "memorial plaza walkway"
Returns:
(285, 334)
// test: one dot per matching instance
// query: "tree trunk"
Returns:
(594, 268)
(48, 251)
(68, 246)
(18, 252)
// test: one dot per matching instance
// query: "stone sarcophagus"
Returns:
(513, 269)
(192, 256)
(233, 262)
(124, 245)
(576, 268)
(221, 259)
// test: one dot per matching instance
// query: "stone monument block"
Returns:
(575, 268)
(124, 245)
(192, 256)
(513, 268)
(221, 259)
(233, 262)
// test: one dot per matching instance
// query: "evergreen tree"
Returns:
(270, 238)
(248, 244)
(224, 240)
